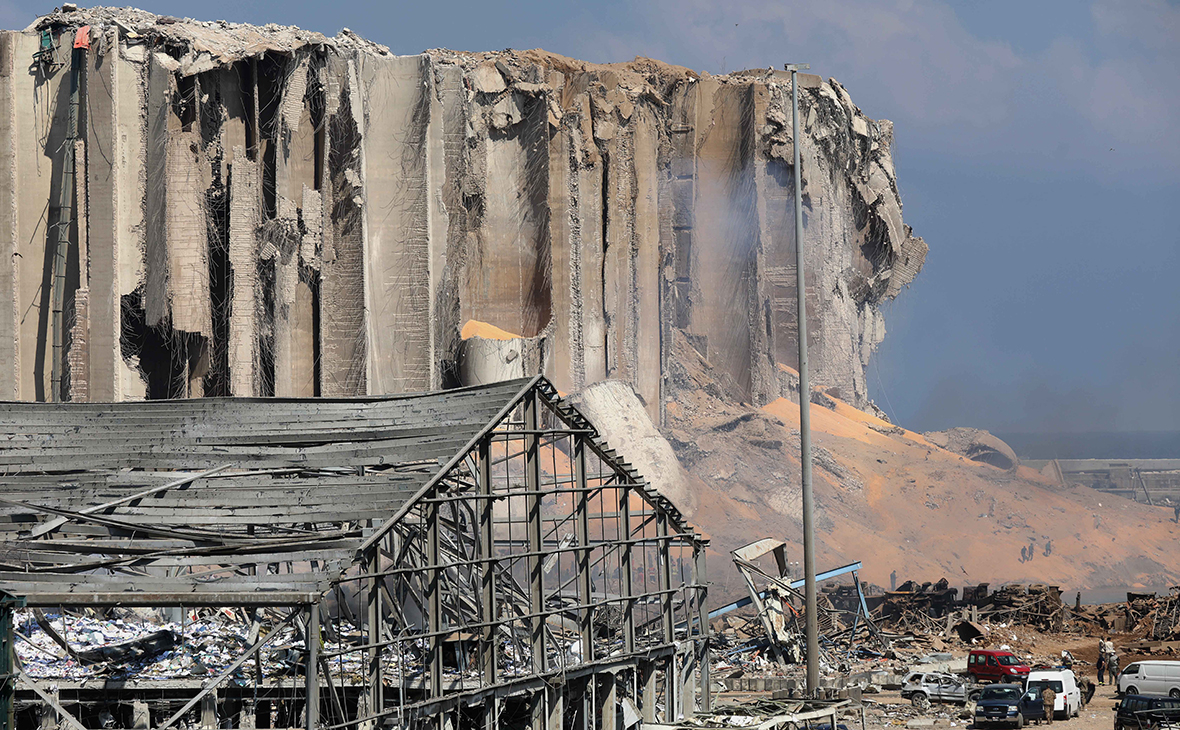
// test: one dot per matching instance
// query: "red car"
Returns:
(985, 665)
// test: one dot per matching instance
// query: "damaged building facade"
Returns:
(197, 209)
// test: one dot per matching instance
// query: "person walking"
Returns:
(1048, 701)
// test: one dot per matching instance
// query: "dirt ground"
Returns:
(891, 711)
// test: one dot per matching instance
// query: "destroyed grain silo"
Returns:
(268, 211)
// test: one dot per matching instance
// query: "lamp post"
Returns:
(812, 629)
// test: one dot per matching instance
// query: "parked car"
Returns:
(1064, 683)
(1006, 704)
(1151, 678)
(922, 687)
(1140, 711)
(985, 665)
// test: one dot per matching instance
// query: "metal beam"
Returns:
(311, 686)
(487, 566)
(625, 569)
(434, 618)
(705, 630)
(811, 627)
(582, 530)
(376, 694)
(532, 472)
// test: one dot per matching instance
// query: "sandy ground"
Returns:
(887, 497)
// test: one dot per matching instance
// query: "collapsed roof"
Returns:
(188, 501)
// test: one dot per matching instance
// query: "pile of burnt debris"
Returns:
(878, 635)
(1156, 619)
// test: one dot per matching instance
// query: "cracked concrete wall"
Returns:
(10, 376)
(274, 212)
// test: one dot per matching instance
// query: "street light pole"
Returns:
(812, 628)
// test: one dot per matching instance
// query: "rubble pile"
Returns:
(1154, 618)
(205, 643)
(1037, 605)
(1166, 618)
(915, 607)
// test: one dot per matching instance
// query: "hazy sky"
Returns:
(1037, 152)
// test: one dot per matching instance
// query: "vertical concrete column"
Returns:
(648, 333)
(724, 215)
(295, 166)
(286, 307)
(343, 359)
(78, 355)
(590, 248)
(647, 681)
(104, 169)
(41, 106)
(209, 711)
(9, 285)
(187, 235)
(437, 225)
(618, 275)
(564, 275)
(161, 85)
(396, 221)
(131, 178)
(555, 704)
(607, 708)
(508, 275)
(243, 263)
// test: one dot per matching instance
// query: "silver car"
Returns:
(922, 688)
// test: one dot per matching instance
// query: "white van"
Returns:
(1064, 683)
(1151, 678)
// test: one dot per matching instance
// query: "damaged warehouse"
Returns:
(470, 558)
(257, 211)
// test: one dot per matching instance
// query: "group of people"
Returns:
(1108, 662)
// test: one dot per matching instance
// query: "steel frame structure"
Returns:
(532, 579)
